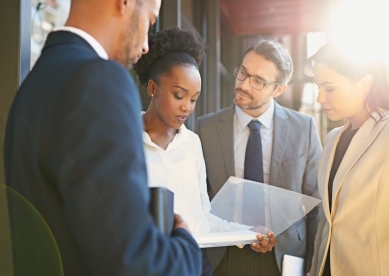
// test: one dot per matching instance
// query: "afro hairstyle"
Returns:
(167, 49)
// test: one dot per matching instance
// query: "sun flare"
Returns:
(361, 28)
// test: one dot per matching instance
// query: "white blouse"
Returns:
(181, 169)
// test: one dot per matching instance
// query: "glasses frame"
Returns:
(236, 71)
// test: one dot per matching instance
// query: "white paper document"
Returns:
(243, 208)
(226, 238)
(292, 266)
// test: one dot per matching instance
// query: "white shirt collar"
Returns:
(265, 119)
(90, 39)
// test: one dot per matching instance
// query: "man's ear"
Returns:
(279, 90)
(125, 6)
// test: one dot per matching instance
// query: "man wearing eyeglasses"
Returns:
(259, 140)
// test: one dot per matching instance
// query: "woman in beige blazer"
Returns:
(353, 235)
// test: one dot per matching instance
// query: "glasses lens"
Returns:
(239, 74)
(257, 83)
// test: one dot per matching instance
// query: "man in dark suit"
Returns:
(288, 146)
(74, 146)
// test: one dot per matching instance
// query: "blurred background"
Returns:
(227, 27)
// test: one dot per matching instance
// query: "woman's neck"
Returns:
(358, 120)
(159, 132)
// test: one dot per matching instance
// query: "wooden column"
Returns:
(212, 36)
(170, 14)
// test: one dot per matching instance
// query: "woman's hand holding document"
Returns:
(248, 212)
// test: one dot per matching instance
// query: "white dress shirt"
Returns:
(241, 136)
(90, 39)
(181, 169)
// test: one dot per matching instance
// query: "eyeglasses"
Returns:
(255, 82)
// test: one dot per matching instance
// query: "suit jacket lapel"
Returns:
(362, 140)
(226, 137)
(280, 136)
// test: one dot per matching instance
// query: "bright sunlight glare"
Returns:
(360, 28)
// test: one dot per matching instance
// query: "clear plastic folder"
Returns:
(243, 208)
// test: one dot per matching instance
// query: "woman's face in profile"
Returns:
(340, 97)
(176, 95)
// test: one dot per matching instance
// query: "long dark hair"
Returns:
(377, 99)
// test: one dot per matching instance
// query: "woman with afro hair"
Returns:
(174, 154)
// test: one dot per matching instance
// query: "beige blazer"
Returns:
(358, 227)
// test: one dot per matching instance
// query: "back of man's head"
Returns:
(277, 53)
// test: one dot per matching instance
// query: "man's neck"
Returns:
(93, 29)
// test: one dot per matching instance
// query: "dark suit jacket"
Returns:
(74, 149)
(294, 164)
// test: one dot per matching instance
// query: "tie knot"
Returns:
(254, 125)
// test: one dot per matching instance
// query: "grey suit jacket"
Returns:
(294, 164)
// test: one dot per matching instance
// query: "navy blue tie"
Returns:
(253, 162)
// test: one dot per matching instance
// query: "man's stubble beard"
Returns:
(130, 41)
(246, 107)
